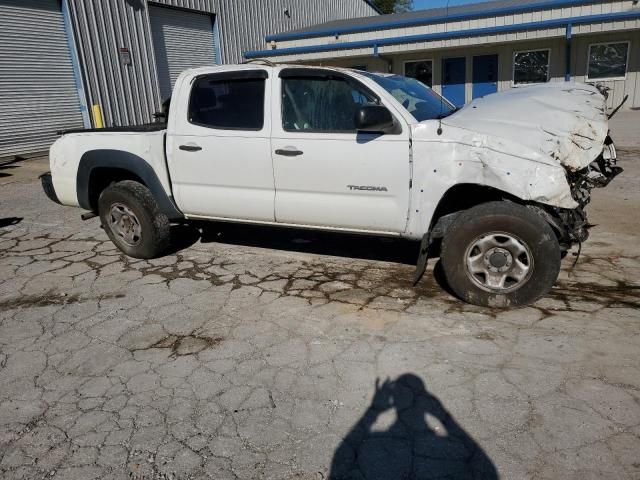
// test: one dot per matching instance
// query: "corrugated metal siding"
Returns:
(37, 88)
(181, 40)
(244, 23)
(209, 6)
(128, 94)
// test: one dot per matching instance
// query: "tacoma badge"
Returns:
(367, 188)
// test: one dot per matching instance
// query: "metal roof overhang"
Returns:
(322, 31)
(381, 42)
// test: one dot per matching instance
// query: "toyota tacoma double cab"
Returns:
(496, 189)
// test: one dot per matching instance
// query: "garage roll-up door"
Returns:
(38, 93)
(181, 40)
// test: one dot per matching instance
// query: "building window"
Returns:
(608, 61)
(227, 104)
(421, 70)
(321, 104)
(531, 66)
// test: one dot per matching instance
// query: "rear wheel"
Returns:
(133, 221)
(500, 254)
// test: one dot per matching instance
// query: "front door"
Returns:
(454, 77)
(327, 174)
(219, 153)
(485, 75)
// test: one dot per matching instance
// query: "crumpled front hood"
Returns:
(564, 123)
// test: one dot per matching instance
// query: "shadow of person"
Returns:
(423, 442)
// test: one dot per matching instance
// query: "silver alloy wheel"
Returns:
(125, 224)
(499, 262)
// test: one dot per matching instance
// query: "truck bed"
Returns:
(147, 127)
(138, 149)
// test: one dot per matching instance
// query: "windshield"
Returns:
(419, 100)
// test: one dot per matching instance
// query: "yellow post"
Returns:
(97, 116)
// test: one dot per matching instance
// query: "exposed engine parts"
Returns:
(597, 175)
(572, 225)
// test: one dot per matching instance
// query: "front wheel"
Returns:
(500, 254)
(133, 221)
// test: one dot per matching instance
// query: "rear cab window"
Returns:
(229, 101)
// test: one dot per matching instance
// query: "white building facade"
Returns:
(470, 51)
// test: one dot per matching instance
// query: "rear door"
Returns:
(218, 146)
(326, 173)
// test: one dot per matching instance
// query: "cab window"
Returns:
(322, 104)
(228, 103)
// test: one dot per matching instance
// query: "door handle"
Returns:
(288, 152)
(190, 148)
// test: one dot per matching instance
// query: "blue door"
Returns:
(485, 75)
(454, 75)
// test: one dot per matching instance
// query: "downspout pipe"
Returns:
(376, 54)
(75, 63)
(567, 75)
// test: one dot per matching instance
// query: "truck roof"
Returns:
(262, 64)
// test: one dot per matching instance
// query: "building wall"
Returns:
(604, 7)
(619, 88)
(505, 52)
(38, 87)
(331, 51)
(244, 23)
(505, 61)
(130, 94)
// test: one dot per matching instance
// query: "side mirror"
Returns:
(373, 118)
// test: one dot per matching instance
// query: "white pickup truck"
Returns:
(496, 189)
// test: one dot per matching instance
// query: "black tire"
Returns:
(153, 225)
(482, 225)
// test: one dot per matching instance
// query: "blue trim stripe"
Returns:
(75, 64)
(380, 42)
(409, 22)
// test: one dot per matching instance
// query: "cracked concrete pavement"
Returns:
(257, 353)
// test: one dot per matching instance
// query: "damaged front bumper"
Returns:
(572, 225)
(597, 175)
